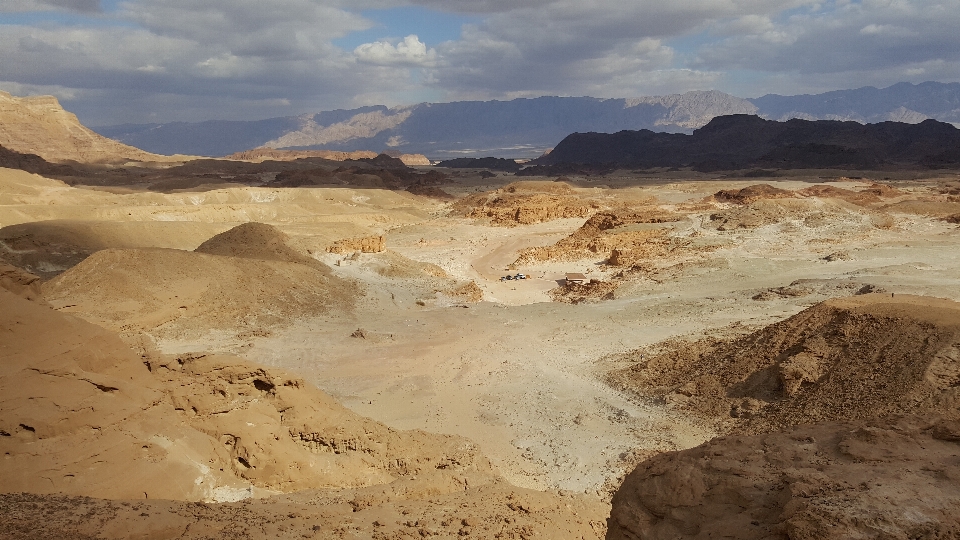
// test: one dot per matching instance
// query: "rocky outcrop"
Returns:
(367, 244)
(845, 359)
(21, 283)
(525, 203)
(871, 479)
(606, 232)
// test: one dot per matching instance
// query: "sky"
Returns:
(143, 61)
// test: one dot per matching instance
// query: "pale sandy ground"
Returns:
(520, 375)
(516, 373)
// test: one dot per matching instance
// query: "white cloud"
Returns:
(409, 52)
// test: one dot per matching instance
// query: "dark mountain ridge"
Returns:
(746, 141)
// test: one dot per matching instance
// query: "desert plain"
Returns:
(394, 305)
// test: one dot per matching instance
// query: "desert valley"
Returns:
(703, 338)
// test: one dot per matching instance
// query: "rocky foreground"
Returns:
(855, 406)
(870, 479)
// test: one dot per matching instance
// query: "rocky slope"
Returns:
(84, 414)
(743, 141)
(853, 358)
(39, 125)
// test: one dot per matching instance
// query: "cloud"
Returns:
(83, 6)
(409, 52)
(870, 36)
(23, 6)
(141, 60)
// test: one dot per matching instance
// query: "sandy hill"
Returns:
(48, 248)
(39, 125)
(845, 359)
(255, 241)
(254, 281)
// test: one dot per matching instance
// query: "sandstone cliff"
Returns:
(39, 125)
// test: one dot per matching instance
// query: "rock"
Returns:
(844, 359)
(830, 480)
(367, 244)
(838, 256)
(21, 283)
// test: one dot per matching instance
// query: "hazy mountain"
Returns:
(902, 102)
(517, 128)
(527, 127)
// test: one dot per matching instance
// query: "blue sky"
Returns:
(114, 61)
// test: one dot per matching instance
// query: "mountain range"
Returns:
(525, 128)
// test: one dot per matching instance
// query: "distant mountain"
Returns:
(902, 102)
(745, 141)
(517, 128)
(527, 127)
